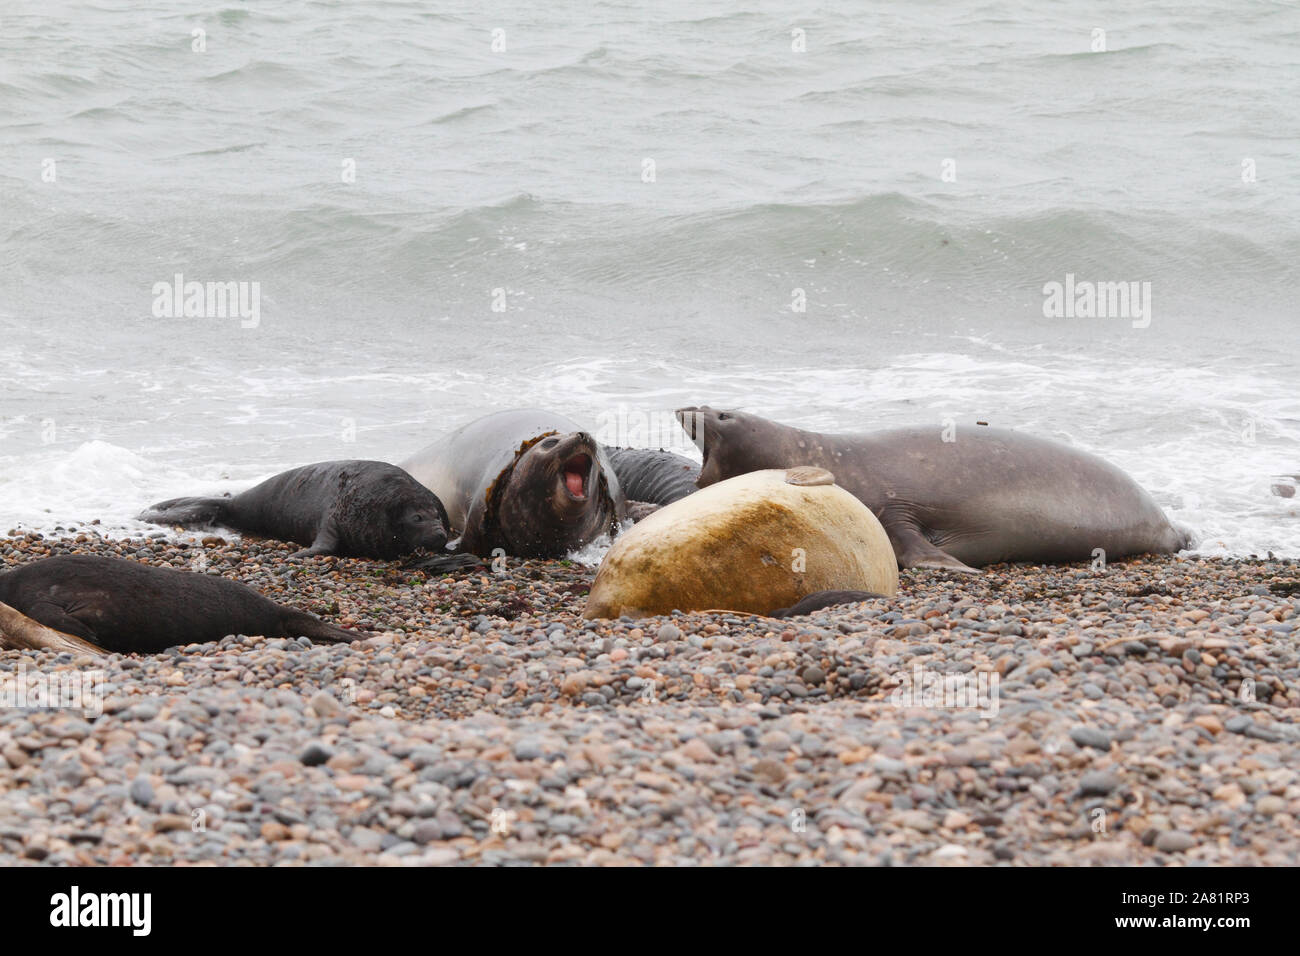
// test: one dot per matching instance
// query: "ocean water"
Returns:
(841, 216)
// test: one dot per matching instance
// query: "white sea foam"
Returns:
(94, 482)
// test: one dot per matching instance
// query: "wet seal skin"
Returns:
(130, 608)
(353, 509)
(653, 476)
(989, 496)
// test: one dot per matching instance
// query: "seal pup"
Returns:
(527, 481)
(130, 608)
(989, 496)
(354, 509)
(752, 543)
(656, 477)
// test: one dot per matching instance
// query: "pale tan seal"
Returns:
(755, 543)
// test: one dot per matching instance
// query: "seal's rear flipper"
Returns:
(327, 542)
(188, 512)
(301, 624)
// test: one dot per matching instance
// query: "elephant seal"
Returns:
(989, 496)
(757, 542)
(354, 509)
(657, 477)
(130, 608)
(529, 482)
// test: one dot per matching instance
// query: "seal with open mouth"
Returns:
(527, 481)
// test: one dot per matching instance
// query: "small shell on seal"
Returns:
(808, 475)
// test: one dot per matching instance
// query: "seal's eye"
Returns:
(723, 417)
(550, 443)
(417, 518)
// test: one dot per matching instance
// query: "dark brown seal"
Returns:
(529, 482)
(133, 608)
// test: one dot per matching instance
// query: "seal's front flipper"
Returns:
(18, 631)
(327, 542)
(640, 510)
(188, 512)
(944, 562)
(56, 617)
(819, 600)
(913, 550)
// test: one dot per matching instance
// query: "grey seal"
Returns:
(989, 496)
(654, 476)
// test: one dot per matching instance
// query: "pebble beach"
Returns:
(1141, 713)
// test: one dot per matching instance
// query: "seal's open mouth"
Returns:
(575, 471)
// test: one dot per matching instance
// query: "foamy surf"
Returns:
(96, 488)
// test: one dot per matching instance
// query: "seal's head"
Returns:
(389, 514)
(731, 442)
(558, 496)
(417, 525)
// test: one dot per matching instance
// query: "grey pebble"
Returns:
(142, 791)
(1174, 841)
(1086, 736)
